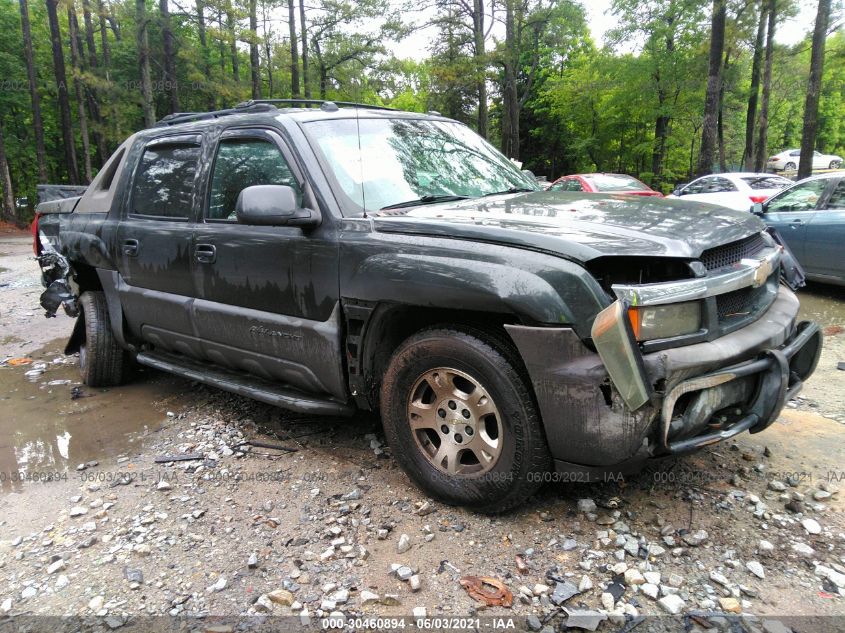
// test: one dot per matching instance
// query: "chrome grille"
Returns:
(730, 254)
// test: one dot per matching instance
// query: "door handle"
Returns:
(796, 222)
(205, 253)
(130, 248)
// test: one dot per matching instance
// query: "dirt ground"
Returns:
(136, 506)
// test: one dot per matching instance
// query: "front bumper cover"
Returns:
(589, 428)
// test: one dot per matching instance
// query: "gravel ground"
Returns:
(179, 516)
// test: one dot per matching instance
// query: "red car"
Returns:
(604, 183)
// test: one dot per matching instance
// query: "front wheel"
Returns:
(461, 419)
(102, 362)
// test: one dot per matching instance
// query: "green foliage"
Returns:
(581, 107)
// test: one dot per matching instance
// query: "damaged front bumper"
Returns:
(697, 394)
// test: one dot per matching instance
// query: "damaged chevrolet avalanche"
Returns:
(328, 259)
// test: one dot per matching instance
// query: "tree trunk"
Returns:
(294, 55)
(268, 52)
(754, 92)
(7, 211)
(91, 97)
(104, 39)
(480, 65)
(233, 46)
(63, 98)
(144, 63)
(37, 122)
(321, 67)
(169, 67)
(510, 98)
(76, 72)
(93, 62)
(303, 30)
(811, 105)
(707, 149)
(253, 50)
(720, 124)
(762, 138)
(206, 61)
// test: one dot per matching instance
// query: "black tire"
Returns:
(524, 457)
(790, 167)
(834, 164)
(102, 362)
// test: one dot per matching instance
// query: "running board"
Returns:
(244, 384)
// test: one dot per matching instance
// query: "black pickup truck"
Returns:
(326, 259)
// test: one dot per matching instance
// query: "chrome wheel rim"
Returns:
(455, 423)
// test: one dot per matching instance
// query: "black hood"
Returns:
(579, 226)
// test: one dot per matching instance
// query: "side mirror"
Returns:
(677, 191)
(757, 209)
(273, 205)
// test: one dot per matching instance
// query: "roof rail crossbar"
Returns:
(186, 117)
(316, 102)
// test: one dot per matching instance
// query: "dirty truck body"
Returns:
(507, 336)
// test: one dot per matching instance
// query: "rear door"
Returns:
(155, 244)
(267, 296)
(825, 240)
(791, 211)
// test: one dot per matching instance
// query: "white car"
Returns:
(787, 160)
(736, 191)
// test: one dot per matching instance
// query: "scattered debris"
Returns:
(490, 591)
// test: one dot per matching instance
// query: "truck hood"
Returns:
(578, 226)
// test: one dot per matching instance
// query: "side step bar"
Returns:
(244, 384)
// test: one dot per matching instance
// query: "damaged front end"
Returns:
(627, 395)
(57, 277)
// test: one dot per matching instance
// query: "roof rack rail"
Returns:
(327, 105)
(241, 108)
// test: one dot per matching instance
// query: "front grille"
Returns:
(730, 254)
(739, 303)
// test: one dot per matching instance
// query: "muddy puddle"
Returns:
(823, 303)
(51, 423)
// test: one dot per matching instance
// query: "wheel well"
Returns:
(85, 278)
(389, 325)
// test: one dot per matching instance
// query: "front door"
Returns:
(791, 211)
(826, 236)
(267, 296)
(154, 244)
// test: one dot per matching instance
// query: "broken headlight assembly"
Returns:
(669, 320)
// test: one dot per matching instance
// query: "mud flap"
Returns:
(55, 275)
(791, 271)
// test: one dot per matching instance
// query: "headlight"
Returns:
(665, 321)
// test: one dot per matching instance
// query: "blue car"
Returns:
(810, 216)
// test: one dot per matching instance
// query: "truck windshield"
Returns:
(380, 163)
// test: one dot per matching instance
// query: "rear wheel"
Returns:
(789, 167)
(462, 421)
(834, 164)
(102, 362)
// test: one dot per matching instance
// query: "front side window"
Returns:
(698, 186)
(836, 202)
(242, 163)
(803, 197)
(383, 162)
(164, 182)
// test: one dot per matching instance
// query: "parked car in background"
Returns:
(787, 160)
(604, 183)
(736, 191)
(810, 216)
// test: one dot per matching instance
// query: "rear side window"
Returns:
(242, 163)
(766, 182)
(164, 182)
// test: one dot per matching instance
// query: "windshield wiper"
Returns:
(424, 200)
(511, 190)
